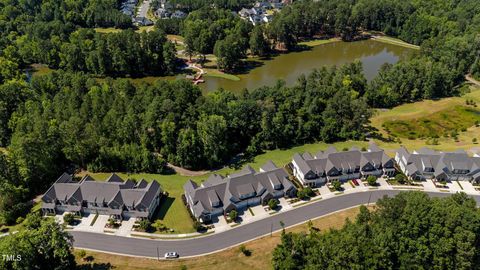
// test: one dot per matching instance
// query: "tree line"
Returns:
(408, 230)
(118, 54)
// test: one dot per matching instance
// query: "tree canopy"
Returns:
(410, 230)
(43, 244)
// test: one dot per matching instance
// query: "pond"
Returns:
(288, 67)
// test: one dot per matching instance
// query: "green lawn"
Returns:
(316, 42)
(218, 74)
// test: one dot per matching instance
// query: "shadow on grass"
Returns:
(165, 205)
(95, 266)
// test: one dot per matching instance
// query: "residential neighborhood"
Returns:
(330, 165)
(114, 197)
(426, 163)
(239, 134)
(251, 193)
(247, 188)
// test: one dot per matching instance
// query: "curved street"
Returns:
(219, 241)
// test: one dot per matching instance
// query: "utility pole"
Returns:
(158, 254)
(271, 229)
(369, 197)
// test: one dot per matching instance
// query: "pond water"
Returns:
(289, 67)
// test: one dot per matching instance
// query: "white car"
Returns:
(171, 255)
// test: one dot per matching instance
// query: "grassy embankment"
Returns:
(381, 37)
(231, 259)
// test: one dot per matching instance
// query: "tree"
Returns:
(386, 239)
(258, 43)
(233, 215)
(229, 53)
(372, 180)
(212, 130)
(302, 194)
(273, 204)
(42, 245)
(337, 185)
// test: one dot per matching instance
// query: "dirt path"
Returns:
(469, 78)
(186, 172)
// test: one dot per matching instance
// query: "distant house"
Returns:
(113, 197)
(219, 195)
(162, 13)
(178, 14)
(142, 21)
(332, 165)
(430, 164)
(128, 7)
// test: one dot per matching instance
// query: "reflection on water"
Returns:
(289, 67)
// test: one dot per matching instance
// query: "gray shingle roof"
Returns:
(269, 166)
(229, 190)
(114, 190)
(332, 162)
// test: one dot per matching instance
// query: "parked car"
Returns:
(355, 182)
(171, 255)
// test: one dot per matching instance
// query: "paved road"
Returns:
(219, 241)
(143, 9)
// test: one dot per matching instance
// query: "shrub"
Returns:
(145, 224)
(309, 192)
(233, 215)
(82, 254)
(245, 251)
(337, 185)
(197, 225)
(400, 178)
(69, 218)
(273, 203)
(372, 180)
(159, 226)
(474, 140)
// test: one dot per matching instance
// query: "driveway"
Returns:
(383, 183)
(428, 185)
(284, 204)
(347, 187)
(126, 227)
(325, 192)
(259, 210)
(85, 223)
(100, 223)
(469, 188)
(218, 241)
(220, 224)
(454, 187)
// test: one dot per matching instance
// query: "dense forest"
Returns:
(409, 230)
(71, 120)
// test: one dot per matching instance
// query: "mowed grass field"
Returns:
(231, 259)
